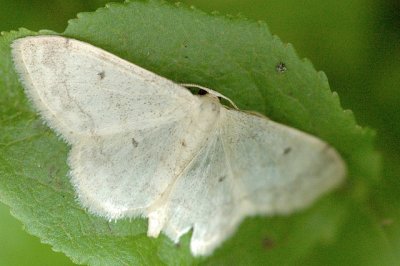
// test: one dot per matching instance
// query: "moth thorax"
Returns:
(209, 104)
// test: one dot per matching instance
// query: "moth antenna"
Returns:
(210, 91)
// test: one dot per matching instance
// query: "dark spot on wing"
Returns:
(325, 148)
(134, 143)
(102, 74)
(183, 143)
(222, 178)
(267, 243)
(67, 42)
(281, 67)
(287, 150)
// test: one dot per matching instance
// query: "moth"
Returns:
(144, 146)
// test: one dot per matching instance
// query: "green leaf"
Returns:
(236, 57)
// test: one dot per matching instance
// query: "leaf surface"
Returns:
(234, 56)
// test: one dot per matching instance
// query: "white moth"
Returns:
(144, 146)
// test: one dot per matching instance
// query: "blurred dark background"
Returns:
(356, 43)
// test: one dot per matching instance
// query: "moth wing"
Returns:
(82, 90)
(125, 123)
(291, 167)
(249, 166)
(124, 174)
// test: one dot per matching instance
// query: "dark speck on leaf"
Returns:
(134, 143)
(222, 178)
(267, 243)
(387, 222)
(287, 150)
(281, 67)
(102, 74)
